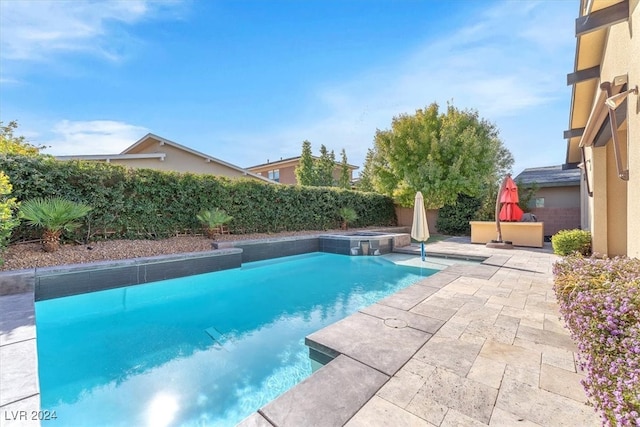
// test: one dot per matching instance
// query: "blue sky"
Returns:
(248, 80)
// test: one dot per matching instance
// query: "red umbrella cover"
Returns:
(510, 192)
(510, 212)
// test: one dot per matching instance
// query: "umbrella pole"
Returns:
(498, 228)
(422, 250)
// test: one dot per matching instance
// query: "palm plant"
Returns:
(55, 215)
(348, 215)
(212, 220)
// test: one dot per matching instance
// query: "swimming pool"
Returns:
(200, 350)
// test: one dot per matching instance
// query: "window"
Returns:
(540, 202)
(274, 175)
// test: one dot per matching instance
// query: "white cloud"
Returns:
(92, 137)
(37, 30)
(509, 65)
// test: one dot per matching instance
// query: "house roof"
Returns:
(134, 152)
(550, 176)
(586, 116)
(139, 145)
(107, 157)
(283, 162)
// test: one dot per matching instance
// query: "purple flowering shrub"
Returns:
(600, 303)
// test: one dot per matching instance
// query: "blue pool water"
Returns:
(199, 350)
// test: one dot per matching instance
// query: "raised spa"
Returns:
(362, 242)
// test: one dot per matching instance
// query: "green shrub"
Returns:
(566, 242)
(454, 219)
(7, 208)
(212, 220)
(348, 215)
(54, 215)
(146, 203)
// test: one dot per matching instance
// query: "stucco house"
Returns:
(557, 199)
(154, 152)
(604, 123)
(283, 170)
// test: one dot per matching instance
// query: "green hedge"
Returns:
(145, 203)
(454, 219)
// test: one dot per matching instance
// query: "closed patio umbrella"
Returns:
(510, 211)
(509, 198)
(420, 228)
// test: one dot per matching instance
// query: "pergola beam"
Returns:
(602, 18)
(583, 75)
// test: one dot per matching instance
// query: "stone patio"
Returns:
(475, 344)
(471, 345)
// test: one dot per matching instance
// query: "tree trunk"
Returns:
(211, 232)
(51, 240)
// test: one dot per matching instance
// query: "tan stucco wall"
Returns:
(519, 233)
(633, 194)
(405, 218)
(616, 203)
(614, 210)
(288, 172)
(558, 197)
(598, 203)
(182, 161)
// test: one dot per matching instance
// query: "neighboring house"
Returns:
(604, 123)
(557, 198)
(154, 152)
(283, 170)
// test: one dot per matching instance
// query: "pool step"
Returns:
(218, 337)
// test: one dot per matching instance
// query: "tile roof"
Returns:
(550, 176)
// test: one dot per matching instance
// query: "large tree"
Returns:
(440, 154)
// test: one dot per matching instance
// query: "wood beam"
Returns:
(602, 18)
(583, 75)
(572, 133)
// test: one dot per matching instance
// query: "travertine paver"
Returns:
(502, 418)
(14, 414)
(455, 355)
(384, 413)
(18, 318)
(469, 397)
(339, 389)
(562, 382)
(415, 321)
(541, 406)
(457, 419)
(19, 374)
(407, 298)
(487, 371)
(512, 355)
(472, 345)
(371, 341)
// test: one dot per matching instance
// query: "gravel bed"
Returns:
(30, 255)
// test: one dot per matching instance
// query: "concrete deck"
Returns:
(473, 345)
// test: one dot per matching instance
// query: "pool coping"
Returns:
(20, 289)
(485, 346)
(361, 387)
